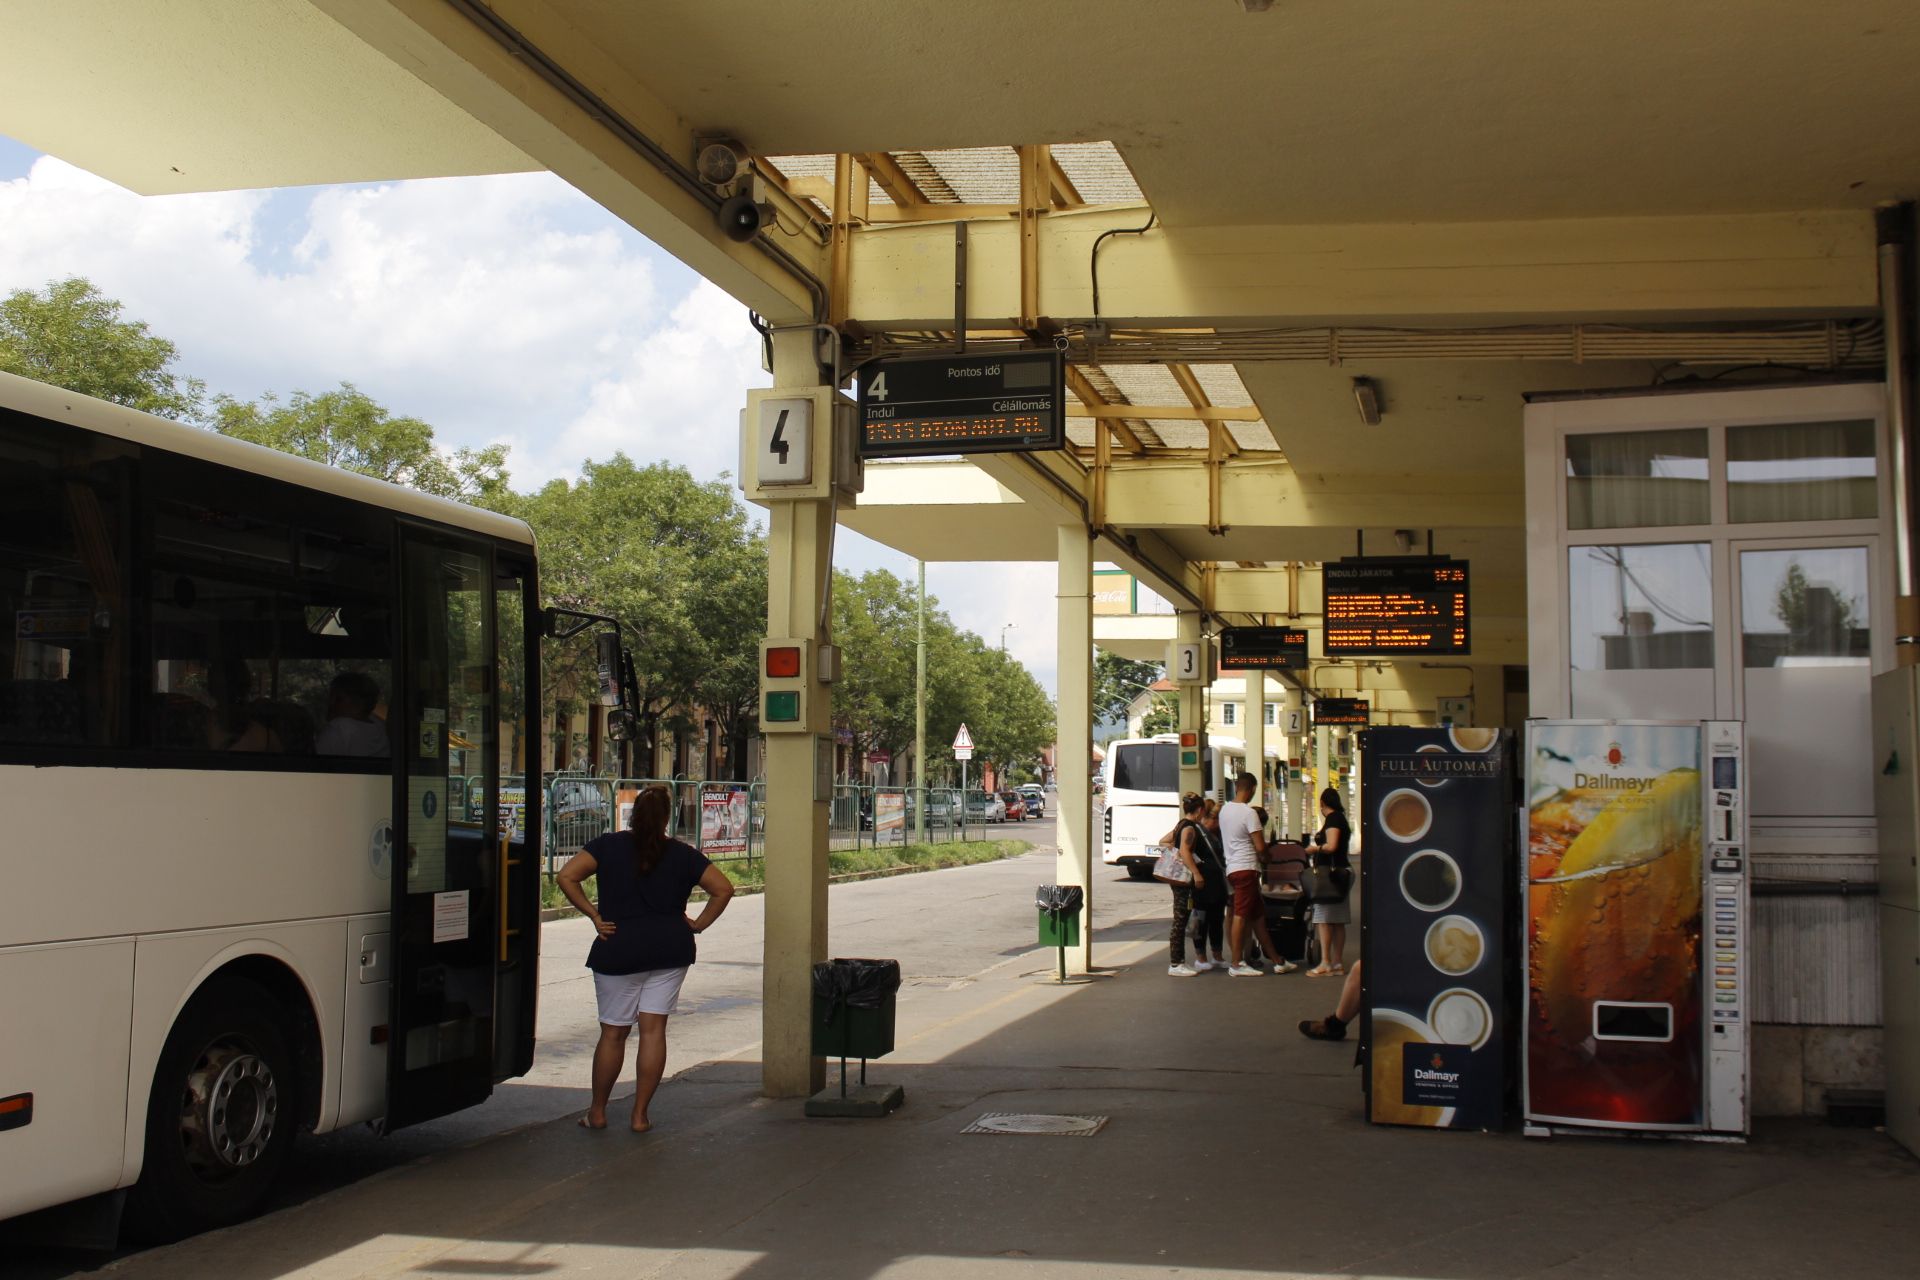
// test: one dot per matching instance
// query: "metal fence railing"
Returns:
(727, 821)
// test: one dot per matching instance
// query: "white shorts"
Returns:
(623, 997)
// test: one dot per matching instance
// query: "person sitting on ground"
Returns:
(351, 728)
(1334, 1025)
(1244, 842)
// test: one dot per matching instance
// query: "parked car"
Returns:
(1036, 799)
(1016, 805)
(983, 806)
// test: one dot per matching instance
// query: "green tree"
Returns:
(656, 549)
(1117, 681)
(729, 686)
(1012, 718)
(1817, 619)
(71, 335)
(347, 428)
(875, 619)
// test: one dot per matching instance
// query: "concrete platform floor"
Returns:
(1234, 1148)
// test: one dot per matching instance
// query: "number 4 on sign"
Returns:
(877, 389)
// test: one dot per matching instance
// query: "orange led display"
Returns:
(1384, 607)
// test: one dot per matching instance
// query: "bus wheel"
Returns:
(221, 1116)
(1139, 871)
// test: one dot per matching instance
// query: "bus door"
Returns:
(447, 913)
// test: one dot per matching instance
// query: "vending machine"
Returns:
(1439, 891)
(1635, 964)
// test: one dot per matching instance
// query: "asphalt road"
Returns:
(945, 928)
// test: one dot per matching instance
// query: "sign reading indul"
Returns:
(1007, 402)
(1387, 606)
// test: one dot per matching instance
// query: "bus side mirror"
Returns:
(620, 726)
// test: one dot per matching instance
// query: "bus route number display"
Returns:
(1388, 606)
(1010, 402)
(1349, 711)
(1255, 648)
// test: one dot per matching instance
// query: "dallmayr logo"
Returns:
(1608, 782)
(1614, 757)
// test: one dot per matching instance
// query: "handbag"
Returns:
(1326, 885)
(1171, 868)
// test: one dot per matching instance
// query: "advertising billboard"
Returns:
(723, 822)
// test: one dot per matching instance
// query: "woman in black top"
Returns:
(644, 941)
(1330, 851)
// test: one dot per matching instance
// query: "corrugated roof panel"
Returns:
(1178, 433)
(1222, 384)
(977, 175)
(1146, 384)
(1097, 172)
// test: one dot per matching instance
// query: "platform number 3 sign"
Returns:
(786, 441)
(1186, 663)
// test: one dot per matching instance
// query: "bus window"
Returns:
(62, 586)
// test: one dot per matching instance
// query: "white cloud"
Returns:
(506, 308)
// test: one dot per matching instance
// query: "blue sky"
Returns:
(507, 308)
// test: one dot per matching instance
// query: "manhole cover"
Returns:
(1037, 1126)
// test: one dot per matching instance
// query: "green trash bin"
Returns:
(1059, 928)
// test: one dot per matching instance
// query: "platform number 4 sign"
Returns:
(786, 441)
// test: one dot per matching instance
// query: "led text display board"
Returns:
(1355, 711)
(1389, 606)
(1006, 403)
(1255, 648)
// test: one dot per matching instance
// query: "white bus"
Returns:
(1142, 784)
(254, 712)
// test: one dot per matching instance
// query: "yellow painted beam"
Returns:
(1124, 423)
(895, 181)
(1756, 265)
(1270, 494)
(1182, 412)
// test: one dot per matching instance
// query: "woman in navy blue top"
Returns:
(644, 941)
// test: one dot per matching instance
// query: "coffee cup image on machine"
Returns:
(1614, 909)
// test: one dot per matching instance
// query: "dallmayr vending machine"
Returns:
(1439, 891)
(1636, 922)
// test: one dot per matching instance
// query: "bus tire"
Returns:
(221, 1115)
(1139, 871)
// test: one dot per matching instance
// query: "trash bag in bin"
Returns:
(855, 984)
(1060, 897)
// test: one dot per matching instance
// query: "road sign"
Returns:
(963, 740)
(1384, 606)
(963, 753)
(1256, 648)
(917, 405)
(1341, 711)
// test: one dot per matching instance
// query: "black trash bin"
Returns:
(853, 1007)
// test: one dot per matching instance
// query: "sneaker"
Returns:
(1243, 971)
(1201, 966)
(1285, 966)
(1180, 971)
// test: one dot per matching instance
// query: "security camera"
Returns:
(721, 162)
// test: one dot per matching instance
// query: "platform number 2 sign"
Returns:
(786, 441)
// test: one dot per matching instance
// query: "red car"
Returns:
(1016, 805)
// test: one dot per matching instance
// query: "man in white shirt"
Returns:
(1244, 842)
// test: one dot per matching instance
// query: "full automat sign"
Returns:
(1005, 403)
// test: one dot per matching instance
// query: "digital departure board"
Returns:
(912, 406)
(1255, 648)
(1354, 711)
(1388, 606)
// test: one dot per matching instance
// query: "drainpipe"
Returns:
(1893, 225)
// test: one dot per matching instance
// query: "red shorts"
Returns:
(1246, 893)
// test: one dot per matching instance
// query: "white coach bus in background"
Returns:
(253, 714)
(1141, 778)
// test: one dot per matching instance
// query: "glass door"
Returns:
(1804, 675)
(446, 926)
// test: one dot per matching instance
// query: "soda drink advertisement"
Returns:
(1614, 1006)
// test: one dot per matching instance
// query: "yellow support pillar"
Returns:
(1074, 730)
(799, 551)
(1256, 734)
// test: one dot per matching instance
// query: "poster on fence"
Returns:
(623, 805)
(889, 817)
(723, 821)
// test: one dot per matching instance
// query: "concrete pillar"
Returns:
(799, 548)
(1074, 730)
(1193, 708)
(1256, 734)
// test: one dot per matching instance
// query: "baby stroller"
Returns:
(1288, 911)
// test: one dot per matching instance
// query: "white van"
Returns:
(1142, 778)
